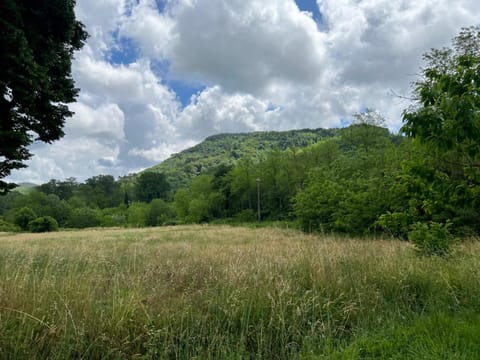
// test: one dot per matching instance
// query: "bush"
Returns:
(137, 215)
(7, 227)
(394, 224)
(43, 224)
(158, 213)
(84, 218)
(198, 210)
(23, 216)
(431, 239)
(116, 216)
(246, 216)
(114, 220)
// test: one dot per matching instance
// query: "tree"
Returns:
(63, 189)
(158, 213)
(23, 216)
(201, 203)
(181, 202)
(102, 191)
(37, 42)
(347, 191)
(368, 130)
(83, 218)
(276, 184)
(43, 224)
(446, 115)
(137, 214)
(152, 185)
(243, 187)
(43, 205)
(445, 119)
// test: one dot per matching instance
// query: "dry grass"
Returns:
(214, 291)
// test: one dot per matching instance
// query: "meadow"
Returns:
(220, 292)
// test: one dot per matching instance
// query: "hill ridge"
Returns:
(225, 149)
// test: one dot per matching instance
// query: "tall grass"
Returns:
(216, 292)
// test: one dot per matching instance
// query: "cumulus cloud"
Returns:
(381, 41)
(78, 157)
(261, 65)
(245, 45)
(106, 121)
(134, 83)
(213, 111)
(151, 29)
(101, 18)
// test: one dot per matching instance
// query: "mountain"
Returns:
(226, 149)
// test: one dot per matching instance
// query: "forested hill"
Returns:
(225, 149)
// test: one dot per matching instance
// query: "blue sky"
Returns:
(312, 7)
(125, 51)
(158, 76)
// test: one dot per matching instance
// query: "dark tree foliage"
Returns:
(37, 42)
(63, 189)
(23, 216)
(101, 191)
(152, 185)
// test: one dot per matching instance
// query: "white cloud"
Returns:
(380, 42)
(213, 111)
(255, 53)
(101, 18)
(151, 30)
(80, 157)
(244, 45)
(39, 170)
(106, 121)
(262, 65)
(135, 83)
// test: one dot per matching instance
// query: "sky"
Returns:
(159, 76)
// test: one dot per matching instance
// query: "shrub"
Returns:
(431, 239)
(116, 216)
(7, 226)
(43, 224)
(158, 213)
(114, 220)
(247, 215)
(23, 216)
(84, 218)
(137, 215)
(394, 224)
(198, 210)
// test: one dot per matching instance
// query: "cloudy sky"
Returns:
(158, 76)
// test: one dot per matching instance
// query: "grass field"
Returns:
(218, 292)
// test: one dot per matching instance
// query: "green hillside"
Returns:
(225, 149)
(25, 188)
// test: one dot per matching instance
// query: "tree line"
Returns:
(364, 180)
(422, 184)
